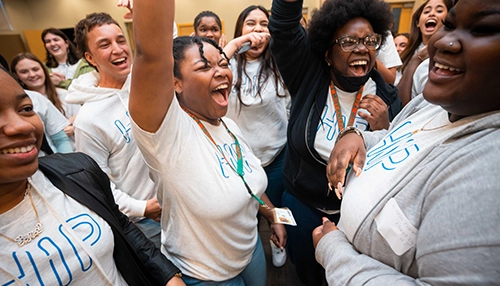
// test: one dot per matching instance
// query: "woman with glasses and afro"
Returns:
(335, 89)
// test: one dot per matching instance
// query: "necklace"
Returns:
(338, 111)
(429, 129)
(239, 155)
(25, 239)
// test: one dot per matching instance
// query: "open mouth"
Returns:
(430, 25)
(359, 67)
(18, 150)
(220, 94)
(120, 61)
(55, 48)
(442, 69)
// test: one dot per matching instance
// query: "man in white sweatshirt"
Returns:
(102, 127)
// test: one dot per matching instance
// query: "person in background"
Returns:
(425, 22)
(401, 42)
(102, 127)
(54, 122)
(63, 60)
(208, 24)
(259, 103)
(212, 184)
(33, 75)
(60, 233)
(424, 211)
(388, 60)
(329, 72)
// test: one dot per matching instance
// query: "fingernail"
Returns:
(339, 195)
(358, 172)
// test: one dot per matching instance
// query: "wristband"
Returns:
(350, 129)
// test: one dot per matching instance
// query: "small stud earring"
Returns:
(451, 44)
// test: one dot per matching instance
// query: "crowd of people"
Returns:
(365, 151)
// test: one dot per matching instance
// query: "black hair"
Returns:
(181, 44)
(73, 55)
(334, 14)
(210, 14)
(268, 66)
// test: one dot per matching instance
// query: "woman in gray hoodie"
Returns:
(422, 204)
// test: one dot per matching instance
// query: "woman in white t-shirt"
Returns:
(52, 235)
(211, 185)
(63, 61)
(33, 75)
(425, 22)
(259, 102)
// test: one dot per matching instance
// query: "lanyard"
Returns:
(239, 155)
(338, 111)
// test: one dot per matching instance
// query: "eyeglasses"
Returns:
(350, 43)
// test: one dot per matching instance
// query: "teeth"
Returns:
(222, 86)
(119, 60)
(431, 21)
(16, 150)
(358, 63)
(443, 67)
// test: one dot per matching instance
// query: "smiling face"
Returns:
(110, 54)
(431, 19)
(57, 47)
(204, 87)
(256, 21)
(20, 132)
(358, 62)
(31, 74)
(401, 42)
(464, 60)
(209, 28)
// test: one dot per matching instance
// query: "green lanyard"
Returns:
(239, 155)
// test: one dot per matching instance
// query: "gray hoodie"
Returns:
(452, 198)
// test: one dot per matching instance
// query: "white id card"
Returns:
(284, 216)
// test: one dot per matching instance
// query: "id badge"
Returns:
(284, 216)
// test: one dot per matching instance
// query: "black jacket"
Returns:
(307, 77)
(136, 257)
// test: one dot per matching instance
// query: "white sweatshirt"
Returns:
(102, 130)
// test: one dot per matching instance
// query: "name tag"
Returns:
(397, 230)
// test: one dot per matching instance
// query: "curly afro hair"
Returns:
(334, 14)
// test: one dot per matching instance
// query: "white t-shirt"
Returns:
(420, 77)
(388, 162)
(328, 129)
(77, 251)
(53, 120)
(209, 221)
(263, 118)
(66, 69)
(388, 55)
